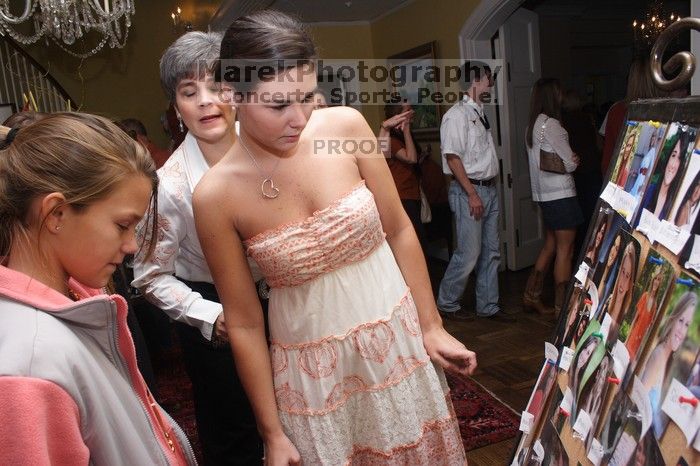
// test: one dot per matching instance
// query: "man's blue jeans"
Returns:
(477, 246)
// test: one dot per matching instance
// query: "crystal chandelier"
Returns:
(655, 21)
(68, 21)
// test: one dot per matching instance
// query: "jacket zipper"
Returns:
(181, 436)
(125, 372)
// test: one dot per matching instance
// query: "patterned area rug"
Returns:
(483, 419)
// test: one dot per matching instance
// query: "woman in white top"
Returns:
(555, 193)
(176, 278)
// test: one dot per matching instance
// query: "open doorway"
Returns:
(588, 46)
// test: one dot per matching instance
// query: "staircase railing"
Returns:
(23, 79)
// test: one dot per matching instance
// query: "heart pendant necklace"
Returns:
(267, 188)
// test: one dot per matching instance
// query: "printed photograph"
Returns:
(627, 153)
(617, 297)
(660, 195)
(611, 426)
(609, 252)
(589, 353)
(650, 288)
(651, 135)
(674, 348)
(685, 210)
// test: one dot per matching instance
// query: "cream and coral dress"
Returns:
(353, 382)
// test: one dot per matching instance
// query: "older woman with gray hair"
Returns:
(176, 278)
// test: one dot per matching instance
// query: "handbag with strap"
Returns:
(550, 161)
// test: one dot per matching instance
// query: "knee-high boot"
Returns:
(559, 293)
(532, 298)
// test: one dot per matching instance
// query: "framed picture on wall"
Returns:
(413, 65)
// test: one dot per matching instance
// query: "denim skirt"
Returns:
(561, 214)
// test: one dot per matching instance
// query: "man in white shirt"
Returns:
(470, 157)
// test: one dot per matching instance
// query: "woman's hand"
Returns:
(279, 451)
(398, 120)
(448, 352)
(220, 331)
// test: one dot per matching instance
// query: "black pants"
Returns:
(412, 208)
(225, 420)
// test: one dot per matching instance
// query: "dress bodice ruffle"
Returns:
(345, 232)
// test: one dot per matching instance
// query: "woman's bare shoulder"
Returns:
(215, 185)
(336, 120)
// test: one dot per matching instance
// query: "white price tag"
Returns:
(621, 359)
(538, 450)
(566, 402)
(582, 273)
(624, 203)
(671, 236)
(595, 453)
(648, 224)
(567, 355)
(679, 405)
(608, 192)
(551, 352)
(526, 420)
(583, 424)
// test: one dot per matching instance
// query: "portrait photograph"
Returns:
(619, 289)
(609, 253)
(627, 153)
(589, 353)
(660, 195)
(651, 134)
(685, 210)
(674, 347)
(650, 288)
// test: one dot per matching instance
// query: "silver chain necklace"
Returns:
(267, 188)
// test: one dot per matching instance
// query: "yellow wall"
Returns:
(343, 41)
(125, 82)
(120, 83)
(419, 22)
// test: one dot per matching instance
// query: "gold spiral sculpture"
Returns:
(683, 60)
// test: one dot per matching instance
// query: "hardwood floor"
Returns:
(510, 355)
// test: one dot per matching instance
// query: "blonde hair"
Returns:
(631, 253)
(640, 84)
(687, 300)
(82, 156)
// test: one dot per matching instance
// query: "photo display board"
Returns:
(620, 384)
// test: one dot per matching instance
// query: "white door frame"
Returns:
(482, 24)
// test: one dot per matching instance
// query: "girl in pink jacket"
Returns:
(72, 189)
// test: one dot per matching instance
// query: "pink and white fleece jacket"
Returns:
(70, 389)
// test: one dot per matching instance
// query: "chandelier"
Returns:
(69, 21)
(655, 21)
